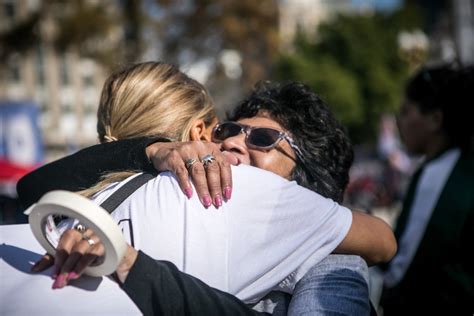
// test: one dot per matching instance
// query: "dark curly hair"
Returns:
(448, 89)
(327, 150)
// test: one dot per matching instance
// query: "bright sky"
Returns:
(379, 4)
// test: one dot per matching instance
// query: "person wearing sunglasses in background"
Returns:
(433, 271)
(261, 138)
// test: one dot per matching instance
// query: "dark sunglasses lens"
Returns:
(226, 130)
(263, 137)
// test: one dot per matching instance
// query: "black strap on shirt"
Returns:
(113, 201)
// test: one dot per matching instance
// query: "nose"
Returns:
(236, 145)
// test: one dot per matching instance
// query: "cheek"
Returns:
(262, 161)
(412, 133)
(408, 126)
(273, 162)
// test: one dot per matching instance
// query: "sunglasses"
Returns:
(255, 137)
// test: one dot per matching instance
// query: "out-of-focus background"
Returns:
(357, 54)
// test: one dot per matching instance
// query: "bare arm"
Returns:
(369, 237)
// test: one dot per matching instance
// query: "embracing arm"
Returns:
(84, 168)
(369, 237)
(156, 287)
(159, 288)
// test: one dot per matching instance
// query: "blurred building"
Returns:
(65, 86)
(306, 15)
(463, 11)
(449, 24)
(450, 28)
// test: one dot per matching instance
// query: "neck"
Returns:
(438, 145)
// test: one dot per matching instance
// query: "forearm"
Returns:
(159, 288)
(84, 168)
(336, 285)
(369, 237)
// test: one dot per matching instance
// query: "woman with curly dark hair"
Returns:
(326, 151)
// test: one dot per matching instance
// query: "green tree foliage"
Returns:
(203, 28)
(101, 30)
(183, 32)
(355, 66)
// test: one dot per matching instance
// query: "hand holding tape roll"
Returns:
(88, 213)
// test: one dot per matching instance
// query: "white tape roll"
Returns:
(92, 215)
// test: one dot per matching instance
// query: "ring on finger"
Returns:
(89, 240)
(190, 162)
(208, 159)
(80, 228)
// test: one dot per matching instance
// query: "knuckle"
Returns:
(77, 247)
(174, 154)
(224, 164)
(213, 167)
(198, 169)
(68, 234)
(214, 188)
(181, 171)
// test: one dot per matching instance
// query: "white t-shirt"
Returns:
(266, 237)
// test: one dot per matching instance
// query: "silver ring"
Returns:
(190, 162)
(89, 240)
(80, 228)
(207, 159)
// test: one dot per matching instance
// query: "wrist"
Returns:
(126, 264)
(152, 146)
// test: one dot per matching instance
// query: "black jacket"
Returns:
(159, 288)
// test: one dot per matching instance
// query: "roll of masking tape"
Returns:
(88, 213)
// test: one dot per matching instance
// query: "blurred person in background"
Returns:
(397, 165)
(326, 184)
(433, 270)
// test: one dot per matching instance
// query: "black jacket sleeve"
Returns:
(84, 168)
(159, 288)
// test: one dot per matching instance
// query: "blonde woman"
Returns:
(156, 102)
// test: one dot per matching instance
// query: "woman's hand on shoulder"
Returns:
(203, 163)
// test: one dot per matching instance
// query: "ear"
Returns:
(198, 131)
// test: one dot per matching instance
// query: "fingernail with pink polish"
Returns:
(218, 201)
(227, 192)
(60, 281)
(73, 275)
(188, 192)
(206, 200)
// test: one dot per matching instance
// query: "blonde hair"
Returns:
(149, 99)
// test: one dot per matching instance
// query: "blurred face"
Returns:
(279, 160)
(417, 129)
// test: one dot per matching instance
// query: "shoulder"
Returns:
(249, 177)
(466, 161)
